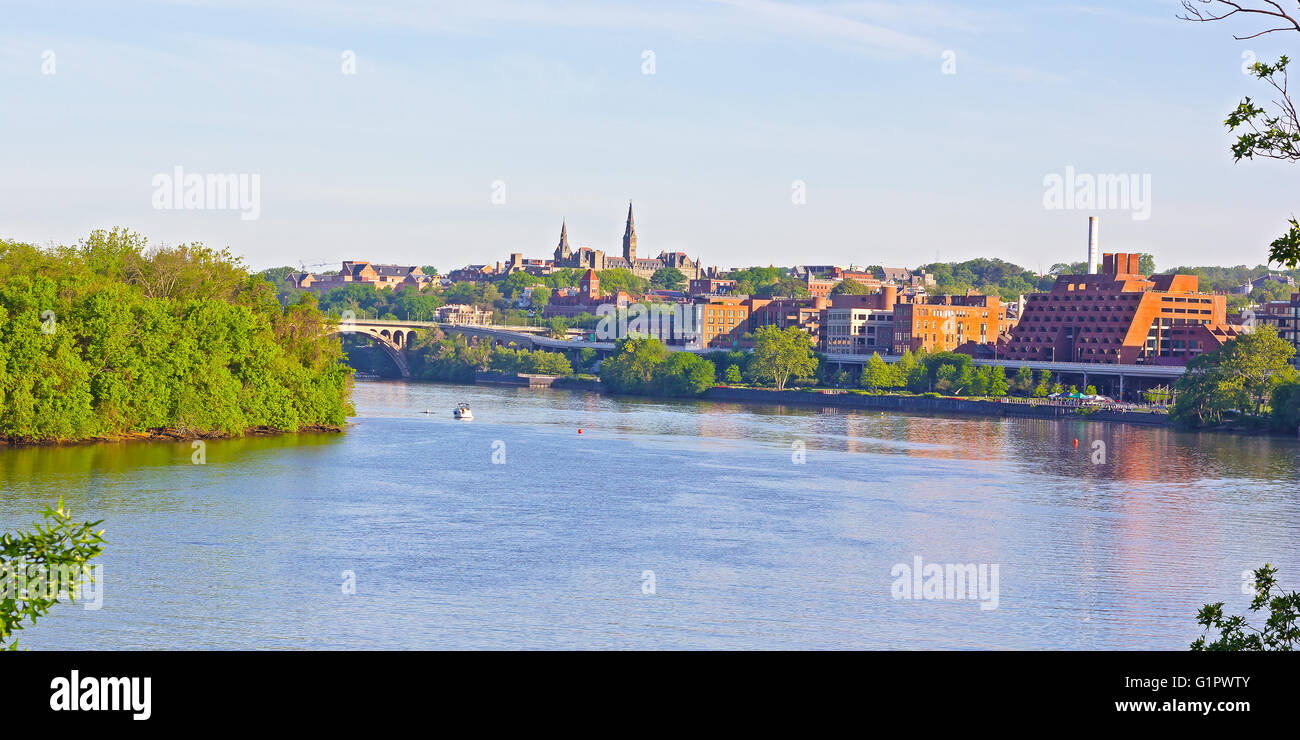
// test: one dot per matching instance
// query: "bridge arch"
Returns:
(381, 338)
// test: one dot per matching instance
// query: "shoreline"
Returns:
(835, 398)
(169, 435)
(933, 404)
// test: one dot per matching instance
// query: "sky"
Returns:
(745, 132)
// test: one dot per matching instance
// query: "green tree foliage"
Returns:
(724, 359)
(949, 372)
(786, 287)
(849, 287)
(668, 278)
(450, 359)
(540, 297)
(1022, 384)
(619, 278)
(58, 553)
(988, 276)
(1269, 134)
(557, 327)
(112, 337)
(1286, 407)
(516, 282)
(877, 375)
(1044, 387)
(1279, 632)
(750, 279)
(997, 384)
(541, 362)
(781, 354)
(1238, 377)
(733, 374)
(643, 365)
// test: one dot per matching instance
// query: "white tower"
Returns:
(1094, 257)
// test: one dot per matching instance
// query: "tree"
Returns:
(140, 340)
(1023, 383)
(541, 296)
(557, 328)
(849, 287)
(1147, 264)
(516, 282)
(949, 372)
(780, 354)
(1279, 632)
(1239, 377)
(1044, 387)
(1271, 135)
(684, 374)
(668, 278)
(997, 386)
(644, 365)
(976, 381)
(733, 374)
(876, 374)
(58, 554)
(632, 367)
(618, 278)
(786, 287)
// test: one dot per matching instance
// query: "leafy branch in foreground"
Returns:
(1272, 135)
(1235, 633)
(36, 566)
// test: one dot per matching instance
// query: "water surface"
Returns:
(748, 548)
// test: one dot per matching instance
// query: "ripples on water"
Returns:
(748, 549)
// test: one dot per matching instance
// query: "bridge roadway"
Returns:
(532, 337)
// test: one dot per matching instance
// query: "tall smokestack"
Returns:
(1093, 256)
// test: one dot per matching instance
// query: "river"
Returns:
(663, 524)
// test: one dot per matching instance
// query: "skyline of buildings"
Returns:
(1113, 314)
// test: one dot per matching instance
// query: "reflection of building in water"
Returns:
(956, 439)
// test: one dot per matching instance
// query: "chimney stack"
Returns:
(1092, 245)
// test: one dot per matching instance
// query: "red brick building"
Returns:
(1120, 316)
(943, 323)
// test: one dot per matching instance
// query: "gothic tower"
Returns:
(562, 253)
(629, 240)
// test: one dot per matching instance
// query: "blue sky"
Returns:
(902, 163)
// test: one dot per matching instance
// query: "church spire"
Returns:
(562, 251)
(629, 239)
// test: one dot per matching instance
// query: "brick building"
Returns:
(1120, 316)
(943, 323)
(723, 320)
(1283, 316)
(362, 271)
(860, 324)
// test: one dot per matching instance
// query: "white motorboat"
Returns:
(462, 412)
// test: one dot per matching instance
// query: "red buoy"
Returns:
(1076, 442)
(580, 432)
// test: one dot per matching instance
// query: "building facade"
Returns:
(596, 259)
(1284, 317)
(1119, 316)
(363, 272)
(860, 324)
(943, 323)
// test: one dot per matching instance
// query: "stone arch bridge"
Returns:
(395, 336)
